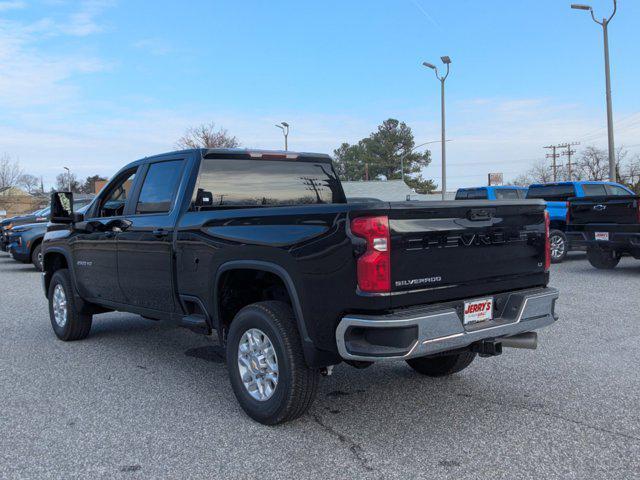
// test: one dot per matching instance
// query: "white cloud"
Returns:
(12, 5)
(29, 77)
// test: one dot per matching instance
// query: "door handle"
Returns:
(159, 232)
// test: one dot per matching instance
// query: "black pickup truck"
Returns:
(263, 249)
(610, 227)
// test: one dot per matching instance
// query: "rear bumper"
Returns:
(439, 328)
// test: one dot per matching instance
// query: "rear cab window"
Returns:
(239, 183)
(472, 194)
(507, 194)
(552, 193)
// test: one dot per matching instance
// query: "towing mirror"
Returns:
(62, 207)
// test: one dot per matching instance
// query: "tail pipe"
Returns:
(522, 340)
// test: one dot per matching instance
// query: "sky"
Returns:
(95, 84)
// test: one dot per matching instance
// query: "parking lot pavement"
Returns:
(143, 399)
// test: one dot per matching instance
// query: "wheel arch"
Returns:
(281, 273)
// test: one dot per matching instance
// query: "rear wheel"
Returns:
(36, 257)
(603, 259)
(443, 365)
(67, 322)
(268, 373)
(559, 246)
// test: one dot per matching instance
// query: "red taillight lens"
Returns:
(568, 216)
(374, 266)
(547, 243)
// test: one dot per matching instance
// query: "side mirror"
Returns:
(62, 207)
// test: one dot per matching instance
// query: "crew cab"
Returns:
(610, 227)
(492, 192)
(262, 248)
(557, 196)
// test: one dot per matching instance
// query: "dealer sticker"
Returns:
(478, 310)
(602, 236)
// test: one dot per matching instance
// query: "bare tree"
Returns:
(10, 171)
(64, 180)
(538, 173)
(30, 183)
(206, 136)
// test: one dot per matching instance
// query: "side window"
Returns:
(522, 193)
(112, 205)
(159, 187)
(593, 190)
(506, 194)
(616, 190)
(477, 194)
(461, 195)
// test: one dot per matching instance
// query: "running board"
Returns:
(195, 323)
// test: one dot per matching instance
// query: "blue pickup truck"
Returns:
(557, 196)
(494, 192)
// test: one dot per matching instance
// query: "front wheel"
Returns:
(559, 246)
(442, 365)
(67, 322)
(36, 257)
(603, 259)
(268, 373)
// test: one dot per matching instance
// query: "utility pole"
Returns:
(554, 156)
(447, 61)
(568, 153)
(604, 23)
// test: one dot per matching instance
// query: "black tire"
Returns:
(559, 246)
(297, 383)
(603, 259)
(77, 325)
(36, 257)
(443, 365)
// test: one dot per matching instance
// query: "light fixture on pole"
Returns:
(284, 126)
(604, 23)
(68, 177)
(447, 61)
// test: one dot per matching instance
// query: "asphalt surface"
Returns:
(143, 399)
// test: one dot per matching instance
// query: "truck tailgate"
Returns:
(621, 210)
(481, 245)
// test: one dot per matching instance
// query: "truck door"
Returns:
(145, 247)
(93, 248)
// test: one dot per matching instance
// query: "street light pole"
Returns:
(68, 177)
(284, 126)
(607, 72)
(447, 61)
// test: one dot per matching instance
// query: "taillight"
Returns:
(547, 243)
(568, 216)
(374, 266)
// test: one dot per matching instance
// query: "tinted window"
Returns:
(552, 193)
(593, 190)
(507, 194)
(461, 195)
(249, 183)
(159, 187)
(616, 190)
(477, 194)
(522, 193)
